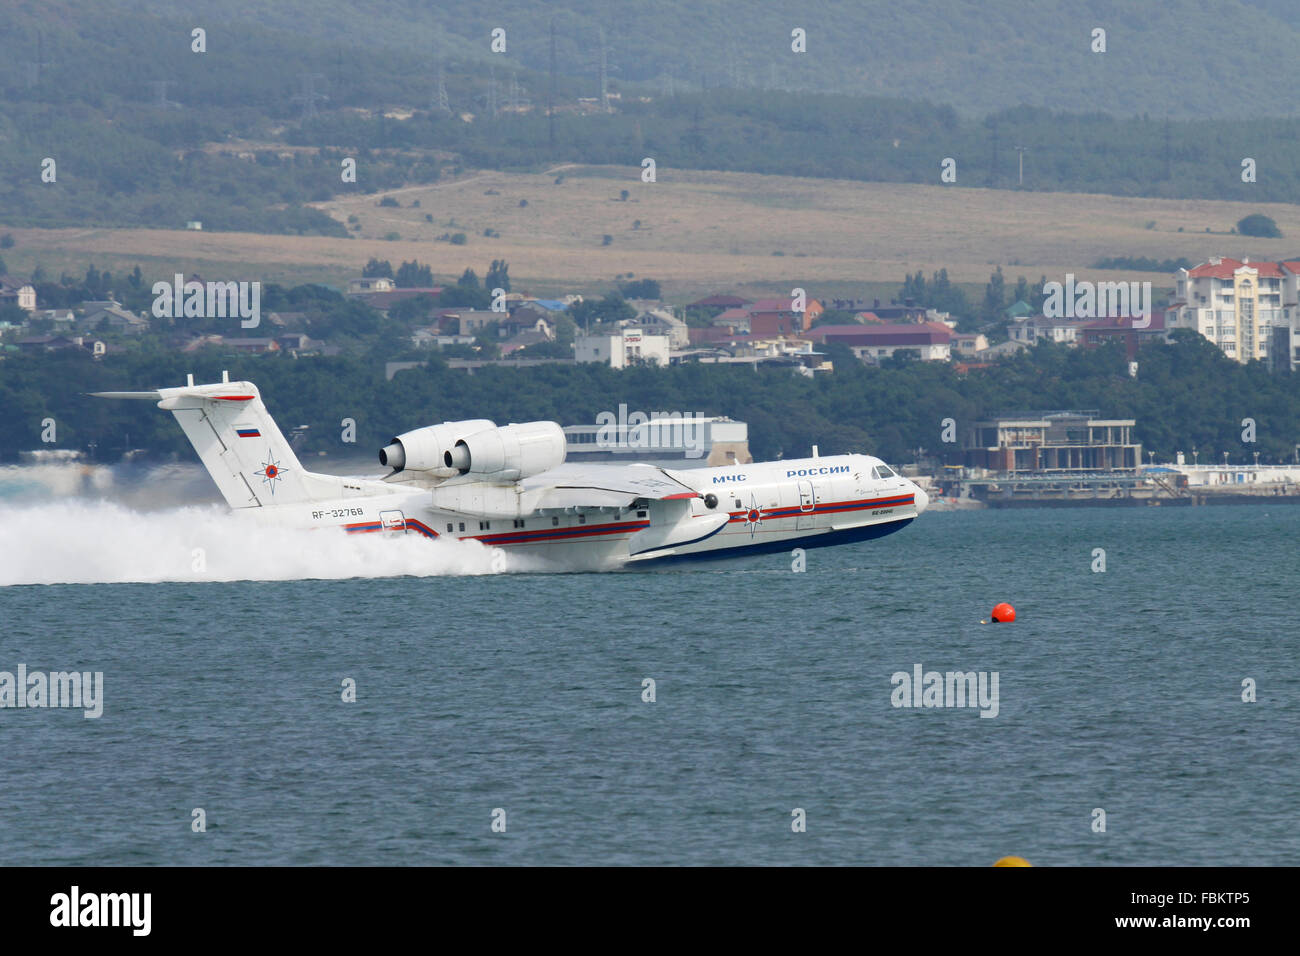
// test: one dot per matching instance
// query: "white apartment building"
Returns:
(19, 293)
(623, 348)
(367, 284)
(1033, 328)
(666, 438)
(663, 322)
(1236, 304)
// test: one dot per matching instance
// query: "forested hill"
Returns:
(245, 136)
(1186, 395)
(1182, 57)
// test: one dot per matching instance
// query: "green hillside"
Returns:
(248, 134)
(1182, 57)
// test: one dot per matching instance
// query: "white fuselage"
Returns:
(764, 507)
(508, 487)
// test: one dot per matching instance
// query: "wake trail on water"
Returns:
(81, 541)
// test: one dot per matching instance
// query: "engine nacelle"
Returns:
(425, 449)
(510, 452)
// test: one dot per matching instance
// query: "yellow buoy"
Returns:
(1013, 861)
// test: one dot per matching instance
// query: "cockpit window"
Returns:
(882, 471)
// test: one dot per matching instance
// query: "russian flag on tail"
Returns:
(248, 433)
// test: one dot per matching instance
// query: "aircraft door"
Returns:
(807, 504)
(392, 521)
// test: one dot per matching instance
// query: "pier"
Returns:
(1155, 486)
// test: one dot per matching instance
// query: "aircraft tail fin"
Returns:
(239, 443)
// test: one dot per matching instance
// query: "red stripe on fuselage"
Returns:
(552, 534)
(514, 537)
(829, 507)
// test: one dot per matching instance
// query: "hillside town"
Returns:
(1249, 310)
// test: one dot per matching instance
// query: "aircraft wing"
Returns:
(609, 486)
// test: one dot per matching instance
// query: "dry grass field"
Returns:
(695, 232)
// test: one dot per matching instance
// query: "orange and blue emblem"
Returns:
(753, 516)
(271, 472)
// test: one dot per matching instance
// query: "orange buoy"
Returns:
(1013, 861)
(1003, 613)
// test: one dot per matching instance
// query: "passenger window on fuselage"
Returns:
(462, 526)
(450, 527)
(555, 522)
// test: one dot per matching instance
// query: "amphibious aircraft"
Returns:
(508, 487)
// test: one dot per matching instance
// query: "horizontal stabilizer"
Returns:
(248, 457)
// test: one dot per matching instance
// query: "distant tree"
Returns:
(4, 269)
(1022, 292)
(412, 310)
(459, 239)
(468, 279)
(412, 275)
(1144, 263)
(1039, 295)
(842, 357)
(389, 201)
(641, 289)
(590, 313)
(700, 318)
(498, 275)
(6, 241)
(995, 295)
(913, 288)
(1260, 225)
(137, 296)
(465, 297)
(488, 341)
(606, 239)
(566, 330)
(623, 195)
(939, 293)
(378, 269)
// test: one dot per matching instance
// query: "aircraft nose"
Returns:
(922, 499)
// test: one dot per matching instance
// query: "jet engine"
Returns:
(425, 449)
(477, 448)
(508, 453)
